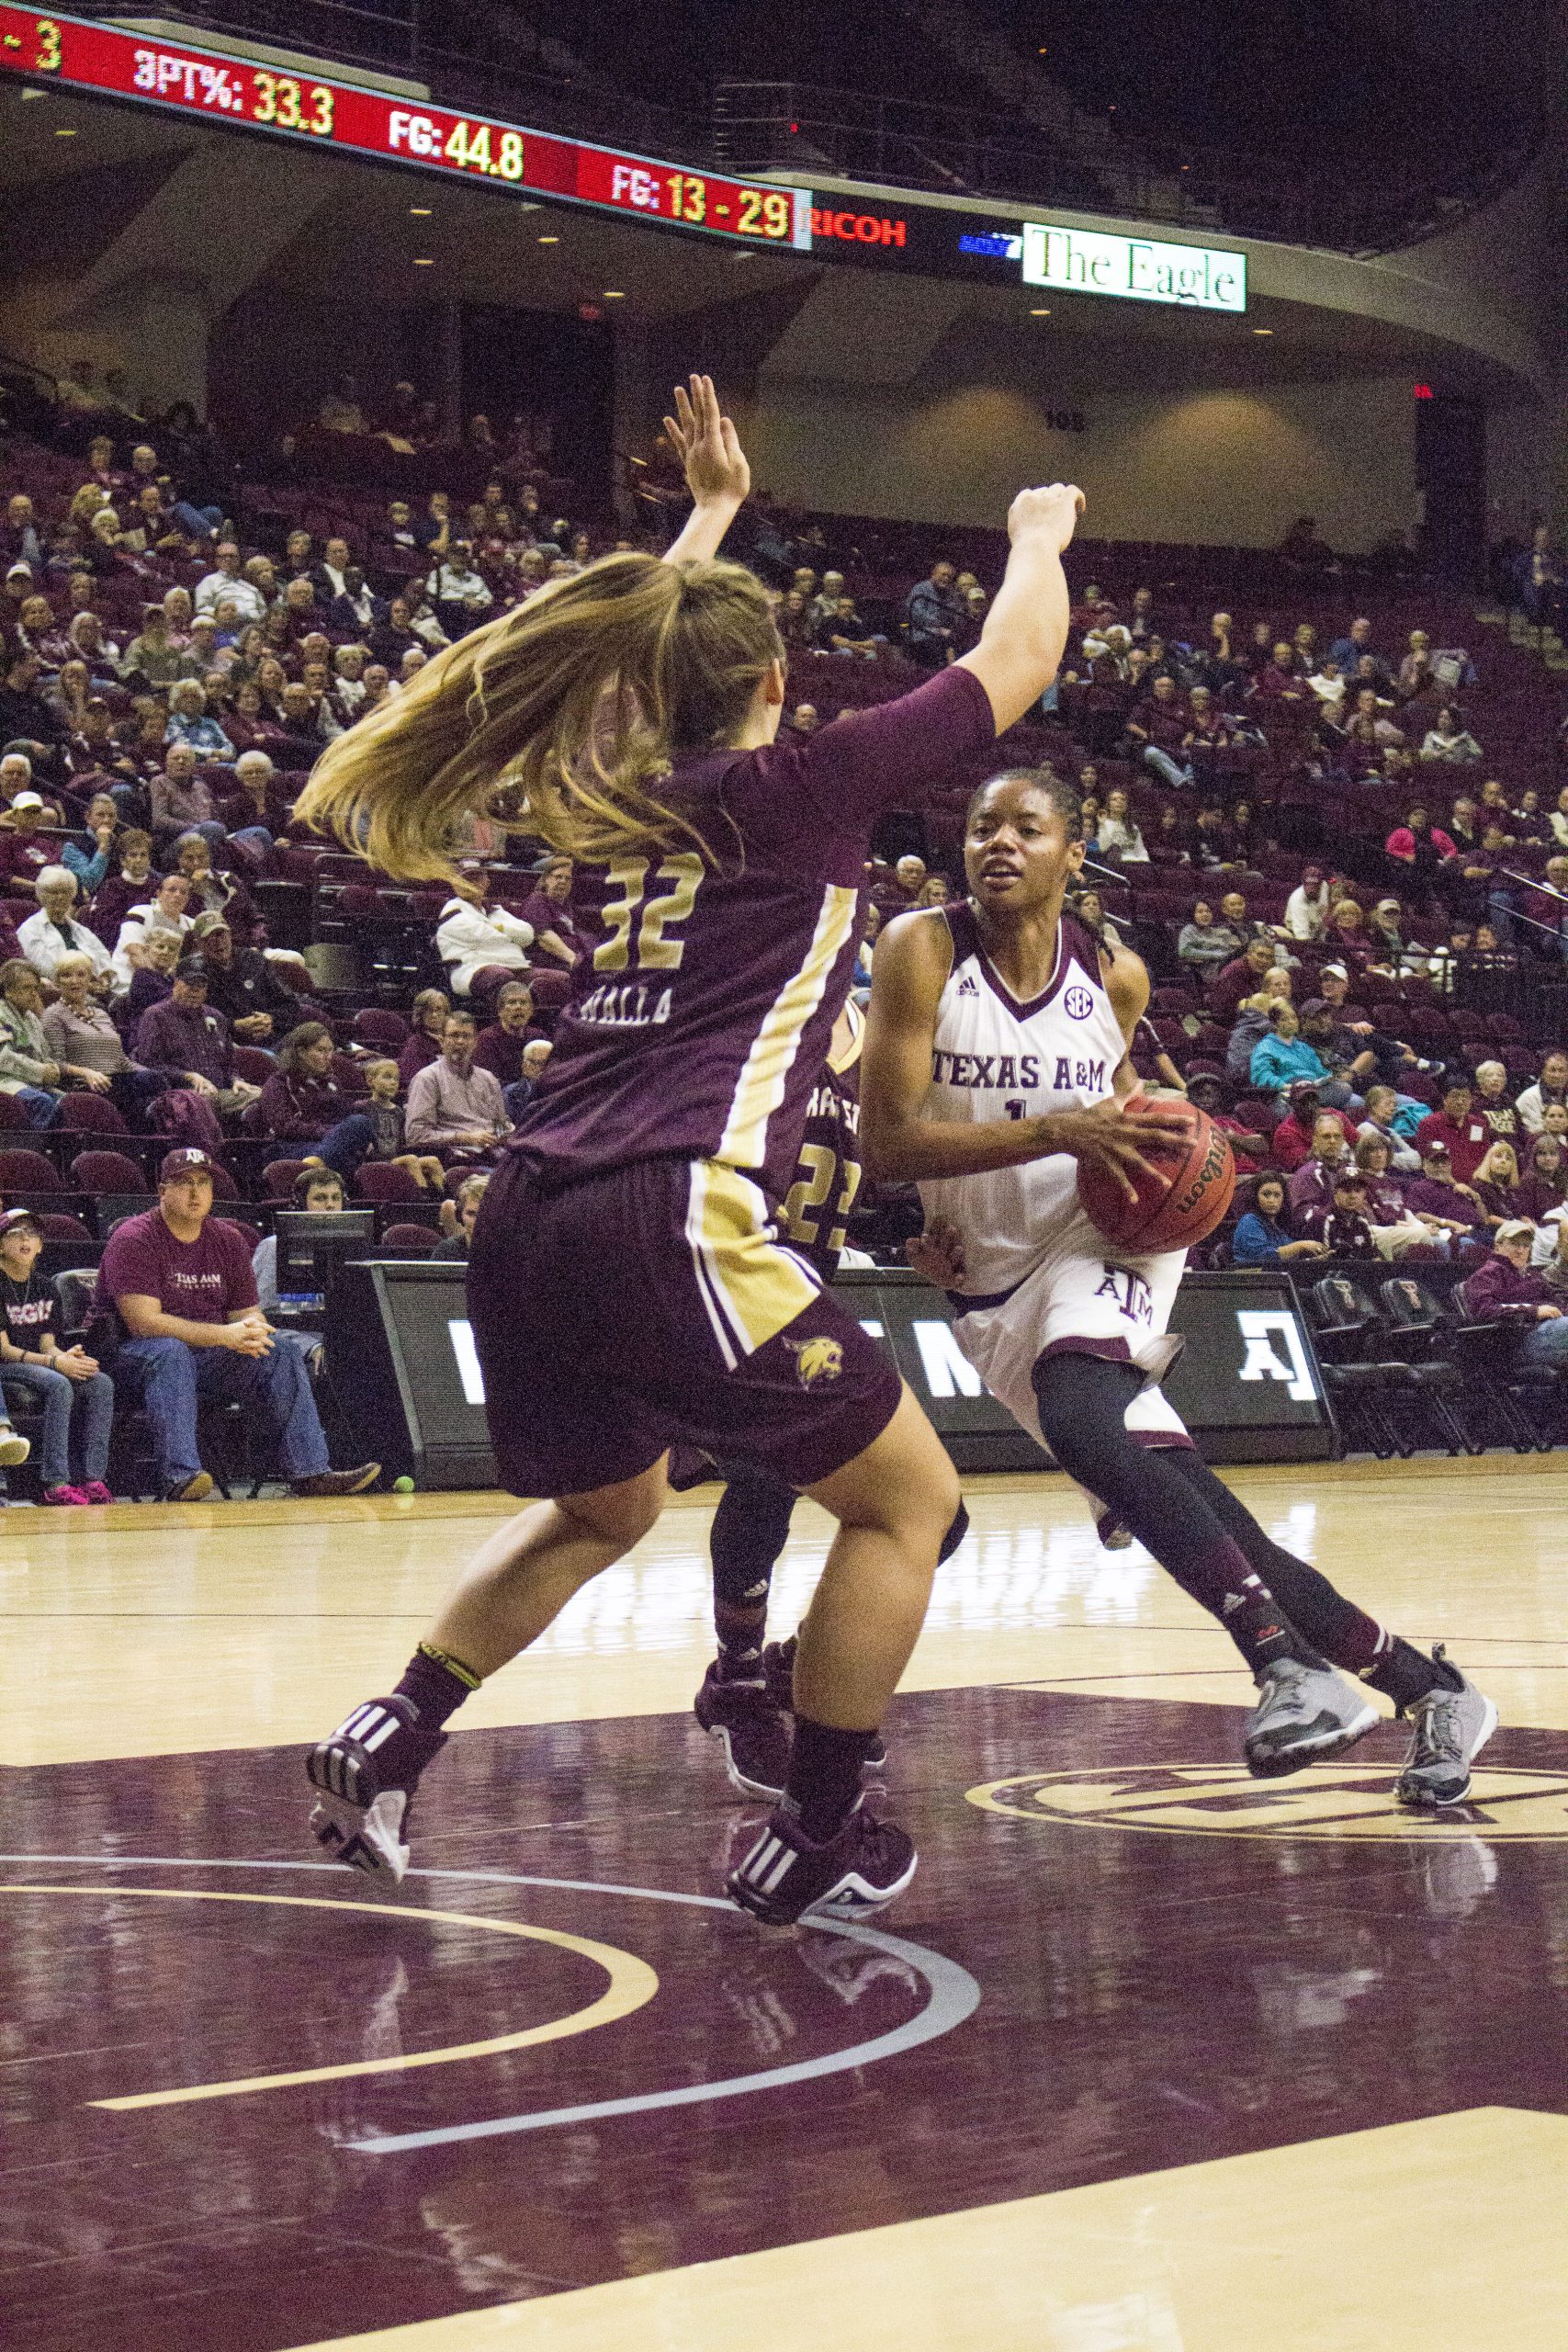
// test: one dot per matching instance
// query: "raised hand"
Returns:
(1053, 511)
(709, 447)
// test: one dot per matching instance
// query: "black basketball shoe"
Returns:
(364, 1776)
(752, 1729)
(785, 1876)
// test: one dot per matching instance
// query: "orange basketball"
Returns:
(1177, 1206)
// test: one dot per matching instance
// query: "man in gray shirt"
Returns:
(454, 1107)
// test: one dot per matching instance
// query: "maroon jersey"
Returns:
(701, 1018)
(815, 1217)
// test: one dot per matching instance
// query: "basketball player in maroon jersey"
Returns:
(625, 1287)
(1007, 996)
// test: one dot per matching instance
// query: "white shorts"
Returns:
(1081, 1297)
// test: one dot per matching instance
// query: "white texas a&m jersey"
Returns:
(994, 1058)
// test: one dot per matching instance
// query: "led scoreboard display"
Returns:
(69, 54)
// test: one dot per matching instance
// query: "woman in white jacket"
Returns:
(470, 935)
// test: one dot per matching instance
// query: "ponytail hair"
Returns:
(562, 716)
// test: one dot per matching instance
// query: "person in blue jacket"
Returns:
(1283, 1055)
(1262, 1238)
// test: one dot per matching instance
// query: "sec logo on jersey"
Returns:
(1078, 1003)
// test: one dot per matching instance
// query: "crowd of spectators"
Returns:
(173, 662)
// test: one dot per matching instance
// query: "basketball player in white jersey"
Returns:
(997, 1060)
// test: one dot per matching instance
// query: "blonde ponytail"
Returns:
(565, 714)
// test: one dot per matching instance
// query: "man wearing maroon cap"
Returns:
(179, 1285)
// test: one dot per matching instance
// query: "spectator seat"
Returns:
(55, 1225)
(84, 1113)
(28, 1172)
(377, 1026)
(97, 1172)
(382, 1182)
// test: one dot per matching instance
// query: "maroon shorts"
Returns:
(651, 1305)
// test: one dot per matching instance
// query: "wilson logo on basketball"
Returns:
(1079, 1003)
(814, 1359)
(1212, 1170)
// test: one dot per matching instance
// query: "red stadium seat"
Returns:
(28, 1172)
(254, 1067)
(551, 990)
(384, 1031)
(86, 1114)
(99, 1172)
(277, 1177)
(383, 1182)
(13, 1118)
(55, 1225)
(409, 1240)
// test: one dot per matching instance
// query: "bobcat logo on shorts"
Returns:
(1078, 1005)
(814, 1359)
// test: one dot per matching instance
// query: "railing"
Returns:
(761, 128)
(764, 127)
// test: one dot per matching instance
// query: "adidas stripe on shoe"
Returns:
(785, 1876)
(364, 1776)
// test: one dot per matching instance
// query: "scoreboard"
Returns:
(872, 227)
(66, 52)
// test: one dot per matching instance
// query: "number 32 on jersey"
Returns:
(644, 945)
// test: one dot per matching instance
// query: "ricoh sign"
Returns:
(1138, 270)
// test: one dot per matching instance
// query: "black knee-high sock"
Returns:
(1083, 1401)
(750, 1530)
(1344, 1634)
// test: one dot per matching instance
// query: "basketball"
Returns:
(1178, 1206)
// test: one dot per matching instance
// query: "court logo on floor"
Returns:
(1344, 1799)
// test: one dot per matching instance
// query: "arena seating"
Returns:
(1290, 792)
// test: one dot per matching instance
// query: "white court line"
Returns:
(954, 1998)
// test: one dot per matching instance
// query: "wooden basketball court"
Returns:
(1151, 2055)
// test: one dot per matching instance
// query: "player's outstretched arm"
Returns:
(913, 959)
(1026, 628)
(716, 472)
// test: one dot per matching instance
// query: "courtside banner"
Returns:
(404, 1369)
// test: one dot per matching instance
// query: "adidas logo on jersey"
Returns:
(967, 986)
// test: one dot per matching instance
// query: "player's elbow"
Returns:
(887, 1150)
